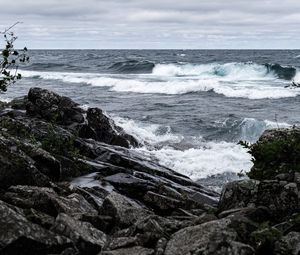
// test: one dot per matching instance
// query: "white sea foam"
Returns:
(240, 81)
(147, 134)
(199, 161)
(297, 77)
(228, 71)
(210, 159)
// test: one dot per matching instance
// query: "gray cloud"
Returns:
(154, 24)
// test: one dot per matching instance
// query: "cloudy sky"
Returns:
(198, 24)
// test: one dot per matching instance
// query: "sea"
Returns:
(188, 108)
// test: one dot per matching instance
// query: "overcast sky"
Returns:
(185, 24)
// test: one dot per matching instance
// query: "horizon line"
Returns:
(163, 49)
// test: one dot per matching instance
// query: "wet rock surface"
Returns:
(70, 184)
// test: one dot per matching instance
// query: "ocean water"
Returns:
(188, 108)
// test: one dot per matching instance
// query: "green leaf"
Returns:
(5, 53)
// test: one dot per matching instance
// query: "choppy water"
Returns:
(188, 107)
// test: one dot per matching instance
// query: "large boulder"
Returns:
(48, 201)
(20, 236)
(105, 130)
(92, 123)
(52, 107)
(288, 244)
(124, 210)
(87, 238)
(16, 168)
(214, 237)
(280, 197)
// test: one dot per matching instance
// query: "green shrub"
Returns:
(10, 59)
(276, 155)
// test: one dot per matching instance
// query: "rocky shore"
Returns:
(69, 184)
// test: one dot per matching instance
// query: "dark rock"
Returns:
(37, 217)
(19, 103)
(121, 242)
(137, 250)
(52, 107)
(151, 229)
(125, 211)
(238, 194)
(12, 113)
(19, 236)
(101, 222)
(200, 237)
(129, 184)
(258, 214)
(83, 234)
(280, 198)
(3, 105)
(90, 124)
(161, 246)
(48, 201)
(152, 171)
(161, 202)
(106, 131)
(227, 248)
(17, 168)
(45, 162)
(214, 237)
(205, 217)
(289, 244)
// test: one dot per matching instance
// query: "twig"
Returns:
(7, 29)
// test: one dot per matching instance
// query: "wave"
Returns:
(171, 86)
(190, 156)
(132, 66)
(45, 66)
(231, 71)
(282, 72)
(251, 129)
(247, 129)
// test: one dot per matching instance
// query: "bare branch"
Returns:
(7, 29)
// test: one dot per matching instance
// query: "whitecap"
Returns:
(201, 159)
(160, 83)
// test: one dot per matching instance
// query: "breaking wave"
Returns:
(240, 80)
(248, 129)
(232, 71)
(191, 156)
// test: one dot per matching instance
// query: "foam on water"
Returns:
(297, 77)
(199, 160)
(209, 159)
(228, 71)
(156, 84)
(150, 134)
